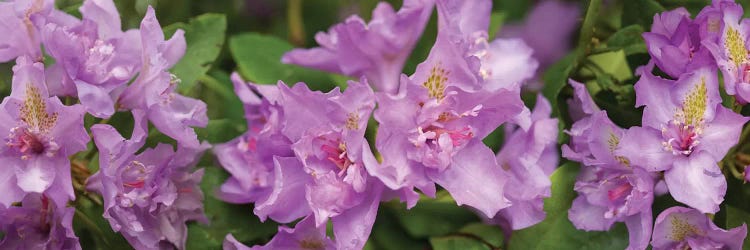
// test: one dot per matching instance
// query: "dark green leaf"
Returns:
(736, 217)
(458, 242)
(421, 221)
(490, 234)
(259, 60)
(96, 231)
(555, 78)
(640, 12)
(387, 234)
(220, 131)
(205, 38)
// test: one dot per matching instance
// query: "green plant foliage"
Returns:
(258, 59)
(205, 37)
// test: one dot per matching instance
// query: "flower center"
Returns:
(439, 140)
(619, 191)
(618, 194)
(682, 133)
(335, 151)
(680, 138)
(135, 175)
(29, 143)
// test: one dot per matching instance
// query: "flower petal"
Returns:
(697, 181)
(475, 179)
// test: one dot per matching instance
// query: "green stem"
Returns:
(90, 155)
(587, 31)
(296, 24)
(743, 139)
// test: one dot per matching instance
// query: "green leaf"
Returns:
(456, 242)
(387, 234)
(628, 39)
(556, 231)
(496, 21)
(614, 64)
(490, 234)
(556, 78)
(434, 217)
(94, 230)
(258, 58)
(640, 12)
(225, 218)
(220, 131)
(736, 217)
(205, 38)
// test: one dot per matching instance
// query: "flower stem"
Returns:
(296, 24)
(587, 31)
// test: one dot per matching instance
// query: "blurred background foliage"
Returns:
(249, 36)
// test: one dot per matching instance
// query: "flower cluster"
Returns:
(101, 70)
(685, 131)
(305, 153)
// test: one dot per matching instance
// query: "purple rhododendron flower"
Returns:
(685, 228)
(304, 235)
(529, 156)
(150, 196)
(608, 195)
(685, 132)
(21, 23)
(154, 90)
(328, 133)
(304, 153)
(38, 223)
(548, 30)
(444, 110)
(94, 57)
(261, 162)
(674, 43)
(40, 134)
(249, 157)
(610, 188)
(376, 50)
(731, 49)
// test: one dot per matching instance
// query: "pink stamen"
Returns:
(134, 184)
(336, 155)
(620, 191)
